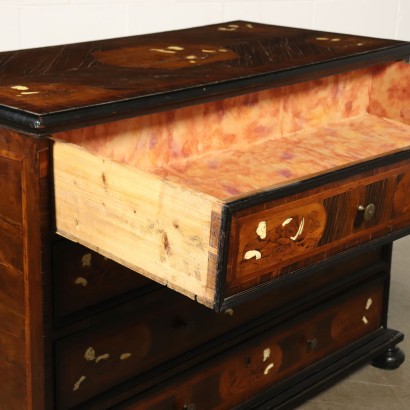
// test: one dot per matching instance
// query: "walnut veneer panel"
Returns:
(22, 207)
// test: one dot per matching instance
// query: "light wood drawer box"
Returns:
(243, 373)
(171, 330)
(216, 217)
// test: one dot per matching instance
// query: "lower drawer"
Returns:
(159, 329)
(246, 371)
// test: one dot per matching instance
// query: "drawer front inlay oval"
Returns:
(289, 233)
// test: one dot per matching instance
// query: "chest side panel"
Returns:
(23, 224)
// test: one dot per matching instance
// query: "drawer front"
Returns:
(83, 278)
(276, 238)
(243, 373)
(167, 326)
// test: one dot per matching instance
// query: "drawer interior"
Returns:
(239, 145)
(150, 191)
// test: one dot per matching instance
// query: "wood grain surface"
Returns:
(71, 85)
(155, 227)
(23, 263)
(245, 371)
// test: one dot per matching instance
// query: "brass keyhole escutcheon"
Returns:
(369, 211)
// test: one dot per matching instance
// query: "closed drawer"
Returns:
(156, 335)
(275, 182)
(170, 331)
(84, 279)
(245, 372)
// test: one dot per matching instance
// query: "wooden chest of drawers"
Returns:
(228, 197)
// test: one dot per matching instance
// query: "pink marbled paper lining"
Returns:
(248, 143)
(259, 166)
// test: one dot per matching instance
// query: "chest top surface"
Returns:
(69, 86)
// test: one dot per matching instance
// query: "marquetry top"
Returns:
(70, 86)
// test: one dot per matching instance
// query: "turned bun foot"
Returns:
(392, 359)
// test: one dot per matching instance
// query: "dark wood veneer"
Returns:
(24, 333)
(381, 183)
(91, 82)
(193, 332)
(241, 372)
(83, 279)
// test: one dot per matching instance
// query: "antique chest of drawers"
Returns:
(199, 219)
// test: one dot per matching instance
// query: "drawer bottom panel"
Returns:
(250, 368)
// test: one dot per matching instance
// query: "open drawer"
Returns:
(219, 199)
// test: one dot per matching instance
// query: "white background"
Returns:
(34, 23)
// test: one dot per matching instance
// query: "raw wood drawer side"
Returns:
(158, 228)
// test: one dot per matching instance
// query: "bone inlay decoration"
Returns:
(81, 281)
(78, 383)
(261, 230)
(89, 354)
(86, 260)
(20, 87)
(365, 320)
(177, 48)
(287, 221)
(253, 254)
(266, 354)
(105, 356)
(300, 230)
(229, 312)
(161, 50)
(268, 368)
(369, 303)
(125, 356)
